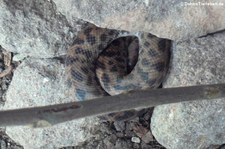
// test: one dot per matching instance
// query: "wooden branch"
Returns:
(50, 115)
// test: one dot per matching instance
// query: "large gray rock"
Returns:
(34, 28)
(196, 124)
(175, 19)
(38, 82)
(41, 82)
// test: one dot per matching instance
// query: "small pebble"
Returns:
(120, 134)
(135, 140)
(120, 144)
(136, 146)
(119, 125)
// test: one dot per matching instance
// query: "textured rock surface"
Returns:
(34, 28)
(40, 82)
(108, 136)
(65, 134)
(196, 124)
(6, 142)
(171, 19)
(37, 82)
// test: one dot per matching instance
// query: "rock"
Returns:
(146, 146)
(19, 57)
(196, 124)
(147, 138)
(38, 82)
(122, 144)
(129, 129)
(108, 143)
(120, 134)
(174, 20)
(112, 138)
(119, 125)
(6, 142)
(41, 82)
(135, 140)
(34, 28)
(135, 146)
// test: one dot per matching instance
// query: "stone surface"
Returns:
(34, 28)
(135, 140)
(119, 125)
(198, 124)
(39, 82)
(65, 134)
(169, 19)
(6, 142)
(121, 144)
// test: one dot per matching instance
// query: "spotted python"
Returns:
(104, 62)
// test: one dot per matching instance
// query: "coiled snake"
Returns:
(104, 62)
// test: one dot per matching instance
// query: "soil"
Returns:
(131, 134)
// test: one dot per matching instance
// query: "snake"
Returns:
(106, 62)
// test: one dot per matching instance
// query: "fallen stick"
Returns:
(54, 114)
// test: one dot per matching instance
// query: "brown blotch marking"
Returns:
(88, 54)
(105, 77)
(112, 32)
(71, 60)
(147, 44)
(91, 39)
(89, 80)
(159, 66)
(120, 59)
(100, 47)
(88, 31)
(77, 75)
(110, 62)
(145, 62)
(78, 41)
(152, 53)
(162, 45)
(114, 69)
(84, 69)
(103, 37)
(151, 82)
(100, 64)
(79, 50)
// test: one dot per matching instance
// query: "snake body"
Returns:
(105, 62)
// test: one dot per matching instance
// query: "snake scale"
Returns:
(104, 62)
